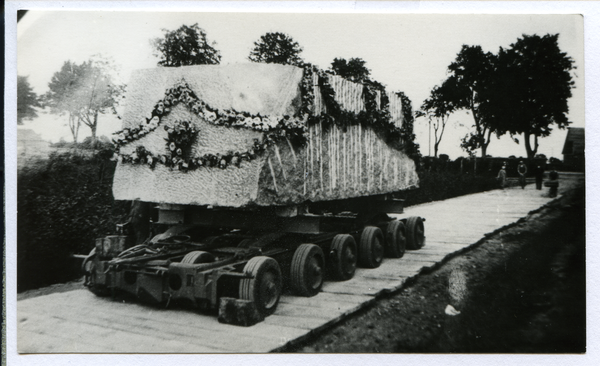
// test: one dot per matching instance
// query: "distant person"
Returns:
(539, 177)
(502, 176)
(553, 183)
(522, 170)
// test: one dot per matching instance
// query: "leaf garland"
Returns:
(379, 119)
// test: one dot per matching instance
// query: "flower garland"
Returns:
(274, 128)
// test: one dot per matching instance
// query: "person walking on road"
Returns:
(539, 177)
(502, 176)
(522, 170)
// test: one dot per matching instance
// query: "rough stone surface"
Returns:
(238, 312)
(333, 164)
(230, 187)
(255, 88)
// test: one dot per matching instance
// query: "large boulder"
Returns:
(334, 163)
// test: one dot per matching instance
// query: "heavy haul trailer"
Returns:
(281, 195)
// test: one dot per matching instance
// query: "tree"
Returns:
(407, 135)
(438, 108)
(61, 96)
(353, 70)
(531, 89)
(185, 46)
(83, 91)
(468, 88)
(473, 71)
(26, 100)
(277, 48)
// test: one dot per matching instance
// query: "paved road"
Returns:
(78, 322)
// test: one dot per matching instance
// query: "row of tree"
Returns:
(521, 90)
(83, 91)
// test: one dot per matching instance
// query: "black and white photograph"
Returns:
(197, 181)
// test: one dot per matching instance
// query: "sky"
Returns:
(406, 52)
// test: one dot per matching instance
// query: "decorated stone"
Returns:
(256, 134)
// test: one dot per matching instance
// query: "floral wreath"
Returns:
(275, 128)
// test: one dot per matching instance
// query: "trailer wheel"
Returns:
(198, 256)
(307, 270)
(343, 257)
(395, 239)
(371, 247)
(415, 233)
(264, 288)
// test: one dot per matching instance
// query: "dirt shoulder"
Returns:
(56, 288)
(521, 290)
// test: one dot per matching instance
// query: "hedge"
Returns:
(63, 203)
(441, 185)
(66, 201)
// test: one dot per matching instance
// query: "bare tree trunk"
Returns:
(485, 142)
(94, 126)
(74, 124)
(531, 151)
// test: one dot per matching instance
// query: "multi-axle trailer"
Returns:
(294, 190)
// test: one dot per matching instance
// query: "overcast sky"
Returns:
(408, 53)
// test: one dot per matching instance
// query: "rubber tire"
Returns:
(198, 256)
(415, 233)
(395, 239)
(253, 289)
(371, 247)
(306, 273)
(343, 262)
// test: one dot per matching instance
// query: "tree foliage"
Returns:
(185, 46)
(469, 82)
(522, 90)
(26, 100)
(277, 48)
(83, 91)
(353, 69)
(407, 131)
(437, 108)
(531, 89)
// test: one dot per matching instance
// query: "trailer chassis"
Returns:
(254, 256)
